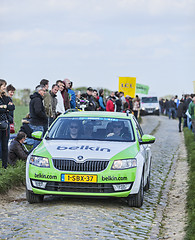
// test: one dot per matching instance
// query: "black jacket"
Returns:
(180, 110)
(38, 116)
(4, 112)
(92, 104)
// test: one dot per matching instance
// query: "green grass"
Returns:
(12, 176)
(19, 113)
(190, 145)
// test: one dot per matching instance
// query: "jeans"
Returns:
(180, 120)
(172, 112)
(4, 147)
(34, 142)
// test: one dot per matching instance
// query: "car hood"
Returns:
(86, 149)
(150, 105)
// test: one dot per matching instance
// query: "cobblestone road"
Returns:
(75, 218)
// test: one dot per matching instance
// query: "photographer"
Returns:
(17, 150)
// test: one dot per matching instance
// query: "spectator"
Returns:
(10, 92)
(65, 94)
(53, 95)
(166, 107)
(122, 97)
(128, 104)
(110, 105)
(17, 150)
(27, 129)
(101, 100)
(46, 97)
(92, 104)
(191, 110)
(5, 107)
(60, 102)
(187, 101)
(118, 102)
(72, 94)
(172, 109)
(180, 113)
(136, 106)
(96, 99)
(38, 117)
(176, 100)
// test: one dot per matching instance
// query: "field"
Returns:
(20, 113)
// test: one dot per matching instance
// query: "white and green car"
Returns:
(100, 154)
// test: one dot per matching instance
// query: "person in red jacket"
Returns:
(110, 105)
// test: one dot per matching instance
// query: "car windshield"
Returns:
(149, 100)
(88, 128)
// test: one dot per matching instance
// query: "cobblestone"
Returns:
(89, 218)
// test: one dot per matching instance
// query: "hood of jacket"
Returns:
(35, 95)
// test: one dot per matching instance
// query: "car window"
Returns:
(88, 128)
(138, 128)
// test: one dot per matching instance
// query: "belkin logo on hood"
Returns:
(83, 147)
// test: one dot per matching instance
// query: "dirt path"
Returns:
(174, 216)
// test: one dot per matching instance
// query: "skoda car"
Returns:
(99, 154)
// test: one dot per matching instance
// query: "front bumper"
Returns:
(104, 186)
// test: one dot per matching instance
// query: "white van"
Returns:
(149, 105)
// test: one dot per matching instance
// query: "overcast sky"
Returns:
(93, 42)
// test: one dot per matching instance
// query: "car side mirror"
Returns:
(147, 139)
(37, 135)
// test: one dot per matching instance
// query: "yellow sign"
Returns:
(194, 86)
(127, 85)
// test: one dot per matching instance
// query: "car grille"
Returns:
(150, 109)
(80, 187)
(87, 166)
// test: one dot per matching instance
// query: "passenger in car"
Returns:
(117, 132)
(88, 131)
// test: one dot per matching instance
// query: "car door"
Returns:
(144, 149)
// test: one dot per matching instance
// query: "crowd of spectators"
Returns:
(183, 109)
(46, 104)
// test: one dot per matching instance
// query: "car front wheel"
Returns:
(33, 198)
(137, 199)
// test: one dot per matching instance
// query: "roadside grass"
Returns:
(12, 176)
(190, 146)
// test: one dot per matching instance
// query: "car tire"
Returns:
(147, 186)
(137, 199)
(33, 198)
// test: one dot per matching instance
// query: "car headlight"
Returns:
(39, 161)
(143, 108)
(124, 164)
(157, 108)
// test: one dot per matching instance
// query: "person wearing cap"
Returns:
(90, 98)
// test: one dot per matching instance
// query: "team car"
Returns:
(99, 154)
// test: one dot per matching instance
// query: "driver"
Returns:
(74, 130)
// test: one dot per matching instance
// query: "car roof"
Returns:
(97, 114)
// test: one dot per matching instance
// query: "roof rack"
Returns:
(71, 110)
(128, 112)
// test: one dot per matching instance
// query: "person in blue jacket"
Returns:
(72, 94)
(101, 100)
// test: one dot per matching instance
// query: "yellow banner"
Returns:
(194, 86)
(127, 85)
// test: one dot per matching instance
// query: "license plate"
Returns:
(78, 178)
